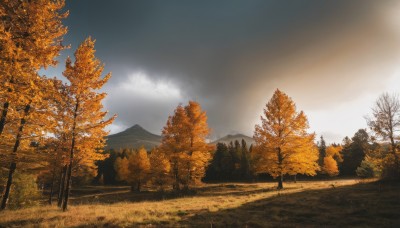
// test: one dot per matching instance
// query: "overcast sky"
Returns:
(334, 58)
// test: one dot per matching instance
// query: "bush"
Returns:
(366, 170)
(24, 191)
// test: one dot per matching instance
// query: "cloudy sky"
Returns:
(334, 58)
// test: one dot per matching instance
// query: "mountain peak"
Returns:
(135, 127)
(133, 137)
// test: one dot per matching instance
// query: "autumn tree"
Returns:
(139, 167)
(160, 169)
(87, 118)
(32, 121)
(134, 169)
(335, 152)
(330, 166)
(121, 167)
(282, 141)
(30, 38)
(184, 142)
(385, 123)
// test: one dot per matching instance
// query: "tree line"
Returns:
(282, 148)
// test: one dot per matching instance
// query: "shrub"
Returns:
(366, 170)
(24, 192)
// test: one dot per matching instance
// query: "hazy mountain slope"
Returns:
(227, 139)
(133, 137)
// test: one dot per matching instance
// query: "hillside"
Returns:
(227, 139)
(133, 137)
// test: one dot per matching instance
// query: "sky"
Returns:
(333, 58)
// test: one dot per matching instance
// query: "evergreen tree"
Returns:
(353, 152)
(245, 162)
(322, 151)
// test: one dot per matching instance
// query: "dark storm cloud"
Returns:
(231, 55)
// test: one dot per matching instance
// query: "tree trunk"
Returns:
(3, 116)
(280, 183)
(295, 178)
(280, 161)
(176, 184)
(13, 165)
(52, 186)
(67, 189)
(71, 157)
(8, 186)
(393, 145)
(138, 186)
(61, 188)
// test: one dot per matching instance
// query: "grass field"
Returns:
(335, 203)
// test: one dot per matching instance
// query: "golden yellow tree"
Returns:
(134, 169)
(30, 38)
(139, 167)
(160, 169)
(335, 152)
(58, 145)
(184, 142)
(282, 143)
(31, 120)
(121, 167)
(87, 120)
(330, 166)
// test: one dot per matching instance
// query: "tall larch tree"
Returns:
(184, 142)
(87, 115)
(175, 144)
(199, 150)
(282, 142)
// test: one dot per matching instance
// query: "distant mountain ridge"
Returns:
(136, 136)
(227, 139)
(133, 137)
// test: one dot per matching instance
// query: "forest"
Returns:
(55, 170)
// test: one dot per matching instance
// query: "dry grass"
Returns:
(314, 203)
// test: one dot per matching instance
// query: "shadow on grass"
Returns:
(117, 194)
(364, 205)
(90, 195)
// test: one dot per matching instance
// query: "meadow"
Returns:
(355, 203)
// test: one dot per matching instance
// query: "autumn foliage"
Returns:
(184, 143)
(47, 128)
(134, 169)
(282, 143)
